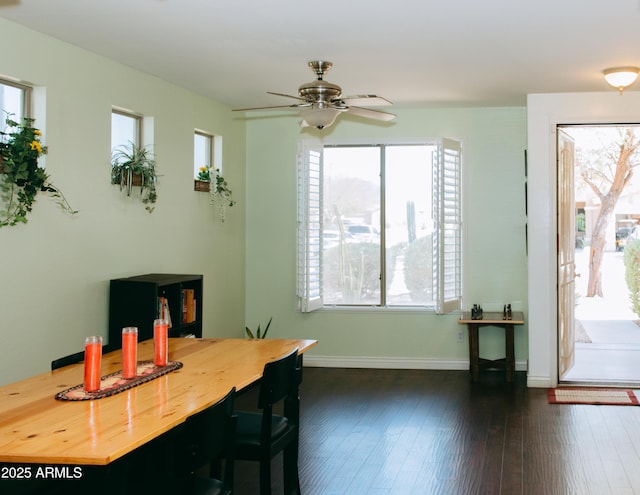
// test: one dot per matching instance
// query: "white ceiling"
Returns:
(413, 52)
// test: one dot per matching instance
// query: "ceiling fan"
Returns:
(320, 102)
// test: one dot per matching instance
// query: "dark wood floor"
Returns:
(412, 432)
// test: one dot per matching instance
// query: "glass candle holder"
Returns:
(129, 352)
(160, 342)
(92, 363)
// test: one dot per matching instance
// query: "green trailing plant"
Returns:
(258, 335)
(131, 163)
(221, 195)
(218, 187)
(21, 178)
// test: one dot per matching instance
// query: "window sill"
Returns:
(379, 309)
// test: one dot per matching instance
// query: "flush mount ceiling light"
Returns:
(621, 77)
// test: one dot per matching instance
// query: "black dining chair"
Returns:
(262, 435)
(77, 357)
(195, 447)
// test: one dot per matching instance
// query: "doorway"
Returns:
(598, 218)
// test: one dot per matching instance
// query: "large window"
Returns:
(380, 226)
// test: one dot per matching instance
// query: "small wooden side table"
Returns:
(491, 319)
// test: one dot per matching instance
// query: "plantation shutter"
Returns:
(310, 225)
(448, 233)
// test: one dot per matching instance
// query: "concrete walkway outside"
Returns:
(613, 356)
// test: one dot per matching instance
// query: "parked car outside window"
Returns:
(363, 233)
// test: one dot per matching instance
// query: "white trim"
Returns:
(399, 363)
(309, 229)
(386, 141)
(539, 382)
(447, 192)
(544, 113)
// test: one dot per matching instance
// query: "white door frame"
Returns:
(544, 113)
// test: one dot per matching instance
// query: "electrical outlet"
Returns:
(460, 336)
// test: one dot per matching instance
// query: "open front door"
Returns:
(566, 254)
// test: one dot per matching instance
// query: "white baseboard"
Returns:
(539, 382)
(316, 361)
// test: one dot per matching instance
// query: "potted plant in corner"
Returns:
(210, 179)
(21, 178)
(258, 335)
(135, 166)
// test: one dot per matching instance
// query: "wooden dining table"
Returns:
(36, 429)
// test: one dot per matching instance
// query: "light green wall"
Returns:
(55, 270)
(493, 139)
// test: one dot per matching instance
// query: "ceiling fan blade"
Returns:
(371, 114)
(366, 100)
(302, 105)
(286, 96)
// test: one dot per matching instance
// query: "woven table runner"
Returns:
(114, 383)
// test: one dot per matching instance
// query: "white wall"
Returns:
(494, 140)
(544, 113)
(55, 270)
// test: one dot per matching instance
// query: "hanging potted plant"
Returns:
(203, 181)
(218, 187)
(21, 178)
(134, 166)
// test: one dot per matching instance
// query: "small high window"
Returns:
(126, 128)
(14, 100)
(202, 151)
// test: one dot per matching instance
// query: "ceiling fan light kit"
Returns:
(320, 101)
(621, 77)
(319, 117)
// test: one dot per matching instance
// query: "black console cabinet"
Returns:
(137, 301)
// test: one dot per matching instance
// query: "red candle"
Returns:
(160, 343)
(129, 352)
(92, 363)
